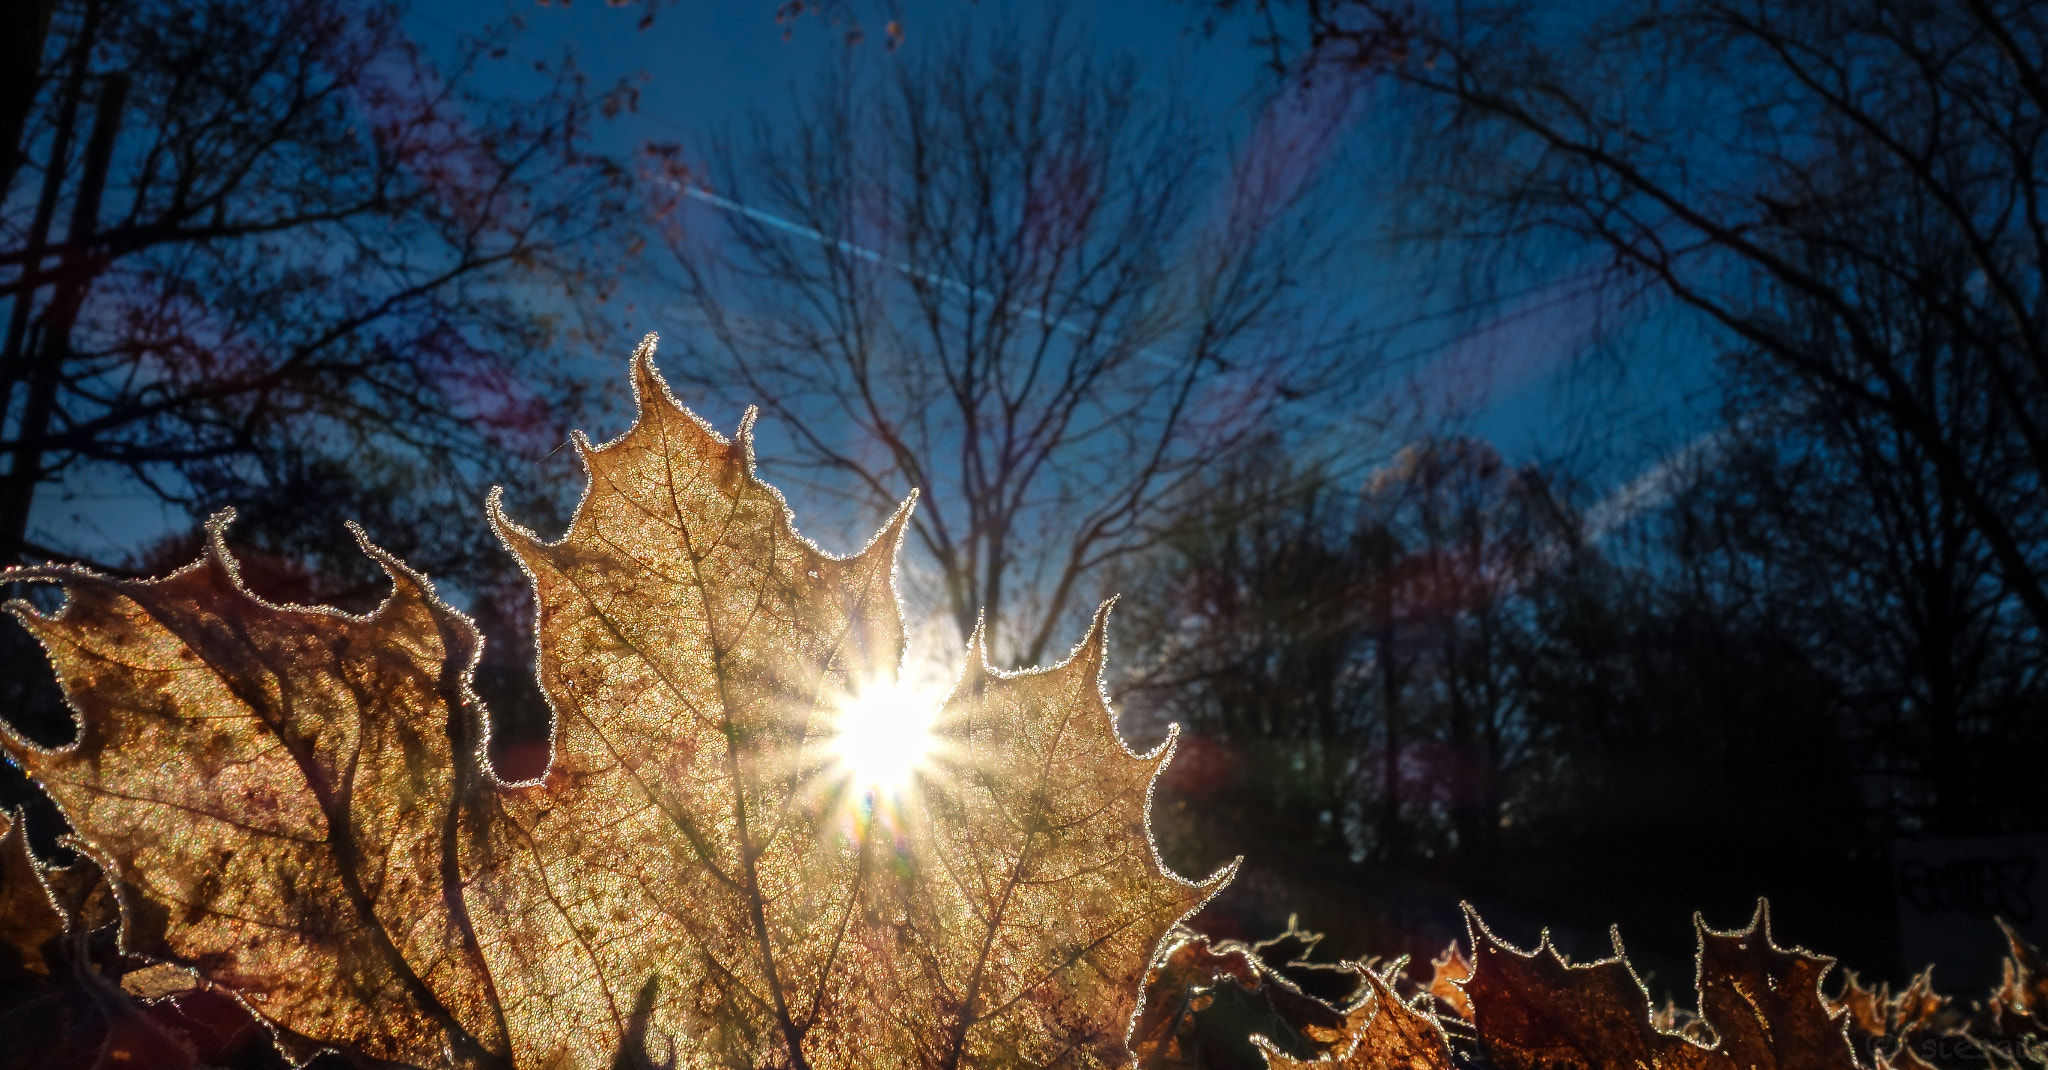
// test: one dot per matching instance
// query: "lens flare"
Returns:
(882, 736)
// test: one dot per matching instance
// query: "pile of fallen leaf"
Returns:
(70, 998)
(1232, 1005)
(292, 846)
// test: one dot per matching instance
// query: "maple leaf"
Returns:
(1204, 1002)
(270, 789)
(1886, 1029)
(1381, 1033)
(294, 803)
(2020, 1003)
(1448, 974)
(28, 919)
(1762, 1003)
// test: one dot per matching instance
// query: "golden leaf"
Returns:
(293, 802)
(1448, 974)
(1205, 1002)
(269, 788)
(1382, 1033)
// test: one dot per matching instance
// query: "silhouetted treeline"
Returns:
(1437, 687)
(1833, 635)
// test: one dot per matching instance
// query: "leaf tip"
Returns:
(1760, 920)
(743, 443)
(899, 521)
(648, 385)
(1225, 873)
(217, 554)
(1094, 649)
(400, 572)
(517, 537)
(1473, 926)
(977, 667)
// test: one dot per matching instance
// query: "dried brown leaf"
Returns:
(1868, 1010)
(1919, 1007)
(1536, 1011)
(292, 802)
(1448, 974)
(28, 918)
(1761, 1004)
(1765, 1003)
(269, 786)
(2021, 1000)
(1920, 1029)
(1383, 1033)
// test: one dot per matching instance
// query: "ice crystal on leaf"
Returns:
(1762, 1006)
(293, 802)
(1382, 1033)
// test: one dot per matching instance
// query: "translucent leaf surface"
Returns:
(293, 803)
(1382, 1033)
(1448, 974)
(271, 787)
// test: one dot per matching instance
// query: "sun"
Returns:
(882, 736)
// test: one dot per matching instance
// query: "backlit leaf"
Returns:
(1761, 1004)
(28, 919)
(294, 804)
(271, 788)
(1382, 1033)
(1205, 1002)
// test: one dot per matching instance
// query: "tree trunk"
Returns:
(24, 27)
(13, 357)
(46, 373)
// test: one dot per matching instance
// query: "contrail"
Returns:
(1652, 487)
(875, 256)
(1656, 484)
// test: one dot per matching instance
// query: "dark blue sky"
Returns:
(1509, 372)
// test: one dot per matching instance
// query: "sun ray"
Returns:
(882, 737)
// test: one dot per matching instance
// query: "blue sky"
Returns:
(711, 65)
(1513, 373)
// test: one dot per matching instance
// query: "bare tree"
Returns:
(1476, 529)
(267, 247)
(1002, 272)
(1838, 526)
(1255, 631)
(1357, 652)
(1849, 190)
